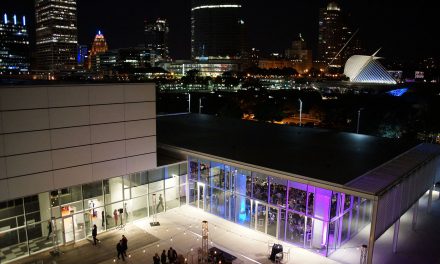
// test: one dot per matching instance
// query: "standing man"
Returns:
(124, 245)
(49, 229)
(94, 234)
(120, 250)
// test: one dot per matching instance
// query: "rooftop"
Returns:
(325, 155)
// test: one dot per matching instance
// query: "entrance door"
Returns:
(201, 196)
(68, 230)
(272, 221)
(260, 217)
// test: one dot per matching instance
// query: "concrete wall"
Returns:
(57, 136)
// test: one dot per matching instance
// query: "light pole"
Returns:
(300, 111)
(189, 102)
(359, 117)
(200, 105)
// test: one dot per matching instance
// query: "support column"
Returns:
(415, 214)
(396, 235)
(430, 198)
(372, 238)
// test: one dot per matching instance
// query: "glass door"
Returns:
(272, 221)
(79, 226)
(68, 231)
(201, 196)
(260, 217)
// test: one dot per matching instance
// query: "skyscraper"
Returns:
(56, 35)
(99, 46)
(156, 40)
(217, 29)
(333, 34)
(14, 45)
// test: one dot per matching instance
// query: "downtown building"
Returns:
(56, 35)
(217, 29)
(14, 45)
(334, 33)
(156, 40)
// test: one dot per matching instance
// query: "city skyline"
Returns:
(398, 29)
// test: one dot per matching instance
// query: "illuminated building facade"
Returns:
(217, 29)
(83, 55)
(14, 45)
(333, 34)
(56, 35)
(156, 40)
(299, 51)
(99, 46)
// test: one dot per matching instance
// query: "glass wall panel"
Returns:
(193, 169)
(69, 195)
(192, 192)
(158, 197)
(230, 173)
(13, 244)
(93, 197)
(172, 193)
(113, 190)
(204, 171)
(242, 210)
(243, 182)
(156, 175)
(139, 184)
(297, 196)
(218, 202)
(183, 168)
(260, 187)
(278, 191)
(137, 208)
(217, 175)
(295, 228)
(310, 199)
(172, 171)
(113, 214)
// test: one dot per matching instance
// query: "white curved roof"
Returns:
(366, 69)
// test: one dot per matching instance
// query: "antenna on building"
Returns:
(343, 47)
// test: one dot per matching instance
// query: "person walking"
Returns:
(94, 234)
(124, 245)
(172, 255)
(119, 248)
(160, 203)
(163, 257)
(156, 259)
(49, 229)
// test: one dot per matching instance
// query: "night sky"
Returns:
(401, 29)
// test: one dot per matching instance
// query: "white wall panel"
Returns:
(28, 163)
(3, 168)
(141, 145)
(26, 120)
(23, 98)
(76, 95)
(26, 142)
(68, 157)
(4, 190)
(140, 92)
(141, 128)
(137, 111)
(140, 163)
(107, 132)
(106, 94)
(30, 184)
(72, 176)
(70, 137)
(108, 151)
(69, 116)
(108, 169)
(106, 113)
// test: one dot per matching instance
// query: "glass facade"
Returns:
(63, 216)
(308, 216)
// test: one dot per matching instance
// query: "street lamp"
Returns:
(200, 105)
(359, 117)
(300, 111)
(189, 102)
